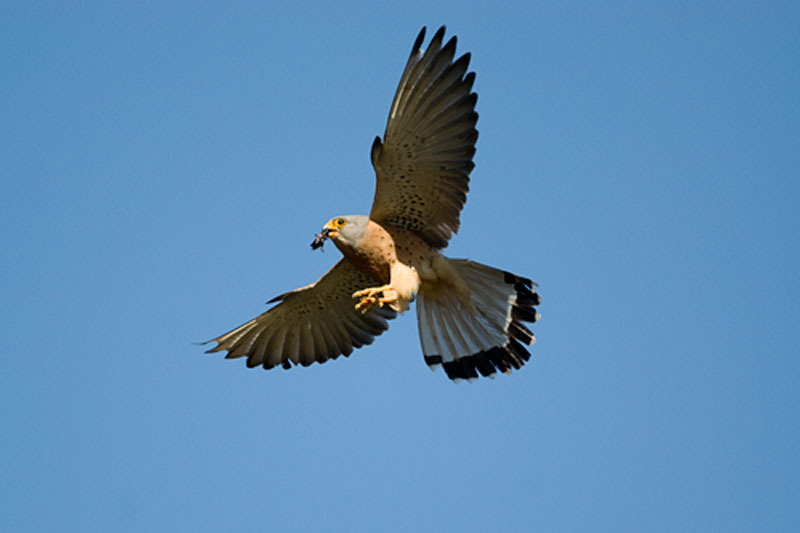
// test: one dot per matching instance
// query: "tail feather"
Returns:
(480, 332)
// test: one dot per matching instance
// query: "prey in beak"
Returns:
(328, 230)
(319, 240)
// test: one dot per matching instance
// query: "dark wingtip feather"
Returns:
(469, 81)
(436, 41)
(375, 151)
(450, 47)
(418, 41)
(204, 343)
(216, 348)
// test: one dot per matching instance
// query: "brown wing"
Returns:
(423, 164)
(314, 323)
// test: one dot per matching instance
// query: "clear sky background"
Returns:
(165, 165)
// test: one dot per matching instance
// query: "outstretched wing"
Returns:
(423, 164)
(314, 323)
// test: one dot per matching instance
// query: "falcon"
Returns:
(471, 317)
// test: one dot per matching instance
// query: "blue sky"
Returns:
(166, 165)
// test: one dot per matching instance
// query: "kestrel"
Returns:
(470, 316)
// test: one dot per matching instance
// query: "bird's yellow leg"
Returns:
(379, 296)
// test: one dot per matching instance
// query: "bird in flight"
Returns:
(470, 316)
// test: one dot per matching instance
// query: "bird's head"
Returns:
(344, 231)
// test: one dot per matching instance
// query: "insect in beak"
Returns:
(319, 240)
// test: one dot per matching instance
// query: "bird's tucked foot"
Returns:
(380, 296)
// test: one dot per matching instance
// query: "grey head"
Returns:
(344, 231)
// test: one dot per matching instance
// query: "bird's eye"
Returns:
(340, 222)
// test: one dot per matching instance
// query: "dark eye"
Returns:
(340, 222)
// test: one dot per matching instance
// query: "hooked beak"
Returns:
(327, 231)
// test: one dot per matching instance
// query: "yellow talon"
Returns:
(374, 296)
(370, 292)
(365, 303)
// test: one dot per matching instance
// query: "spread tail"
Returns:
(476, 326)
